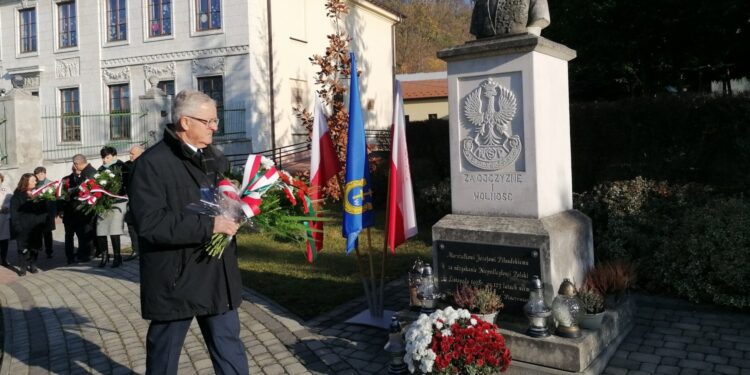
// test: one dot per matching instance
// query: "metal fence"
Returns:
(3, 139)
(232, 124)
(86, 133)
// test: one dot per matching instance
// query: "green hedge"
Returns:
(686, 239)
(677, 138)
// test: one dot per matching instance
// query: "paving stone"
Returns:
(724, 369)
(695, 364)
(615, 371)
(664, 352)
(670, 370)
(643, 357)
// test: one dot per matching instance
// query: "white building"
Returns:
(95, 58)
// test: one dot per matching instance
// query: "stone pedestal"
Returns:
(506, 251)
(23, 133)
(157, 105)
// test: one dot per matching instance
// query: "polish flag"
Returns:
(402, 219)
(324, 164)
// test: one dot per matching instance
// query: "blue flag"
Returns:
(358, 212)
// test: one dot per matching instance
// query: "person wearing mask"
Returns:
(28, 220)
(78, 223)
(179, 282)
(41, 179)
(5, 197)
(134, 153)
(110, 223)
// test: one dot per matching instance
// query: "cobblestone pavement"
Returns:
(84, 319)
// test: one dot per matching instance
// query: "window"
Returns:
(214, 87)
(119, 112)
(160, 17)
(432, 116)
(117, 22)
(28, 29)
(66, 13)
(71, 116)
(166, 86)
(208, 15)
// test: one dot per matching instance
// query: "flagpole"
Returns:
(387, 217)
(376, 311)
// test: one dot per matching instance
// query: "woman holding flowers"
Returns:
(28, 219)
(179, 281)
(110, 223)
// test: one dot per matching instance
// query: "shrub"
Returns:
(707, 258)
(686, 239)
(611, 277)
(591, 300)
(481, 300)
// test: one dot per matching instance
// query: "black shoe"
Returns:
(117, 262)
(84, 260)
(5, 263)
(33, 269)
(132, 257)
(22, 273)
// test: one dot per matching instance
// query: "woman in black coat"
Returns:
(28, 220)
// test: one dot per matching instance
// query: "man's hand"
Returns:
(225, 225)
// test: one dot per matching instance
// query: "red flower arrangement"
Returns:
(459, 343)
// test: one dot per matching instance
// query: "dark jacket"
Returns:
(51, 208)
(116, 167)
(177, 279)
(70, 207)
(28, 220)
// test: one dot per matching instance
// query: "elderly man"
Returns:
(178, 281)
(76, 222)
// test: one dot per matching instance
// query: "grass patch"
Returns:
(280, 270)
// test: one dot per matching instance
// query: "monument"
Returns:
(511, 180)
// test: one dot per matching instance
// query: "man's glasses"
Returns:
(207, 123)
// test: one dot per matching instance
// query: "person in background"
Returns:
(28, 220)
(78, 223)
(110, 223)
(134, 153)
(41, 179)
(5, 197)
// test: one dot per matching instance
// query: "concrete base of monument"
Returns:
(505, 252)
(556, 355)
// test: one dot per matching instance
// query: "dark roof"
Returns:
(387, 7)
(430, 88)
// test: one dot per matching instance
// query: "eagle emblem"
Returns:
(489, 109)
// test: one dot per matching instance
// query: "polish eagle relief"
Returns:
(490, 108)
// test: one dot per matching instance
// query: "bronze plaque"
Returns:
(508, 269)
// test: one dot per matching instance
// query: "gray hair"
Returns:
(185, 100)
(79, 158)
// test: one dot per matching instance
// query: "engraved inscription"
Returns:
(505, 268)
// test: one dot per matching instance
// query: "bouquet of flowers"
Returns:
(97, 193)
(455, 342)
(283, 201)
(49, 192)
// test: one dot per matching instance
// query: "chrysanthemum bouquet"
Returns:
(99, 193)
(268, 199)
(49, 192)
(454, 341)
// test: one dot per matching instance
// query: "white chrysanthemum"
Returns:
(266, 162)
(473, 321)
(96, 175)
(49, 190)
(104, 183)
(110, 173)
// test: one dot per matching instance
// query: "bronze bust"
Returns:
(507, 17)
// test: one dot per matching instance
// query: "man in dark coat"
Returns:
(179, 281)
(78, 223)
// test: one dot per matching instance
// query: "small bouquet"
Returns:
(454, 341)
(264, 189)
(97, 193)
(49, 192)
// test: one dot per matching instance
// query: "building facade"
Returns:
(89, 63)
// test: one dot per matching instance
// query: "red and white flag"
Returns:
(402, 218)
(324, 164)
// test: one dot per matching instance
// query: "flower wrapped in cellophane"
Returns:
(268, 199)
(99, 194)
(453, 341)
(49, 192)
